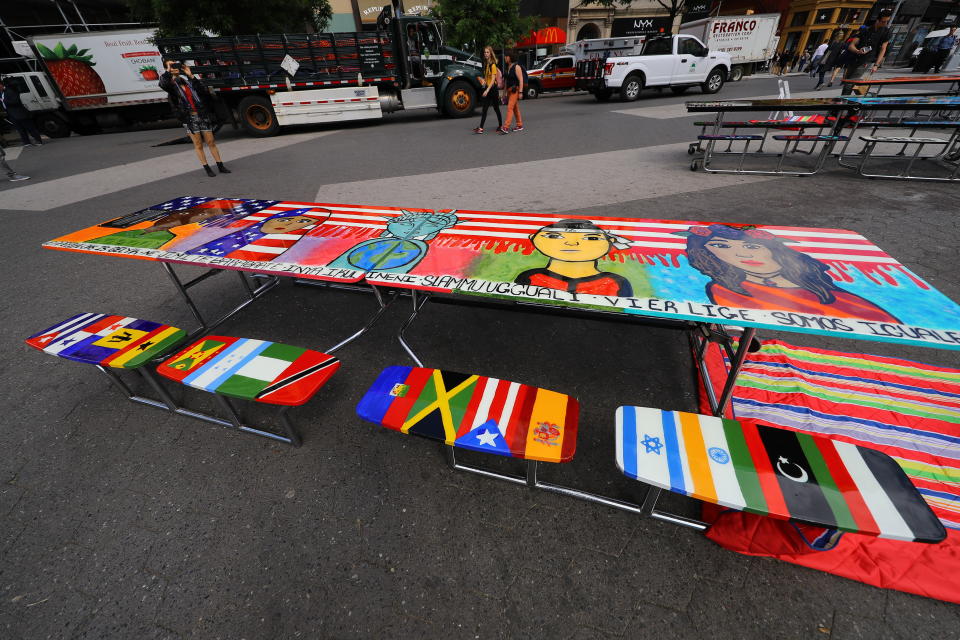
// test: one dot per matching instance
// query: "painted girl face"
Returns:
(570, 246)
(286, 225)
(748, 255)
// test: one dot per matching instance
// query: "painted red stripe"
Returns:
(339, 100)
(851, 495)
(400, 407)
(308, 102)
(517, 427)
(354, 99)
(570, 429)
(765, 472)
(499, 399)
(102, 324)
(471, 412)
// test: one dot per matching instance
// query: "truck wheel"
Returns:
(631, 88)
(679, 91)
(532, 91)
(736, 74)
(714, 81)
(52, 125)
(460, 100)
(257, 116)
(602, 95)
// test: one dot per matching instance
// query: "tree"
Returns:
(672, 7)
(474, 24)
(231, 17)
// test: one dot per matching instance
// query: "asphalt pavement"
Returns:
(121, 521)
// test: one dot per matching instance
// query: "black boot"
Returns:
(222, 168)
(209, 171)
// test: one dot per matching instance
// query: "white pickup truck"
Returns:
(678, 62)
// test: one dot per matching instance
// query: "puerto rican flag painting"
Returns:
(475, 412)
(775, 472)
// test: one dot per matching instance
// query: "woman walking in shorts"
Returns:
(491, 93)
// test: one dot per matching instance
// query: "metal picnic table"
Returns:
(700, 277)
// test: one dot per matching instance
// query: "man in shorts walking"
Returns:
(193, 106)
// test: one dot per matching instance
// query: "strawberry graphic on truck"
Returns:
(72, 70)
(149, 73)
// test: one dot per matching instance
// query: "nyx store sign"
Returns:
(630, 27)
(695, 11)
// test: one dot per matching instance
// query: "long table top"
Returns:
(825, 281)
(845, 103)
(899, 80)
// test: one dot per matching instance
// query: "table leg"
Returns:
(383, 306)
(418, 299)
(743, 347)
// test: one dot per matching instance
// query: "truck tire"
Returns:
(679, 91)
(52, 125)
(631, 87)
(532, 91)
(460, 99)
(714, 81)
(257, 116)
(602, 95)
(736, 73)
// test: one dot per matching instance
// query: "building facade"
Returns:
(810, 22)
(641, 17)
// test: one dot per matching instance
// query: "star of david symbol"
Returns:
(652, 444)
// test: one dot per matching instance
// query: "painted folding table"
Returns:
(697, 276)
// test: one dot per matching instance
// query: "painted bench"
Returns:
(475, 413)
(111, 343)
(775, 472)
(254, 370)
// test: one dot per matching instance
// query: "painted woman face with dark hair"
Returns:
(753, 257)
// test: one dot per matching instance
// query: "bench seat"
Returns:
(728, 137)
(904, 140)
(120, 342)
(474, 412)
(811, 138)
(256, 370)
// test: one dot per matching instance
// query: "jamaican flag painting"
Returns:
(474, 412)
(775, 472)
(109, 341)
(257, 370)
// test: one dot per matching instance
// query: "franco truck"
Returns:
(330, 77)
(85, 81)
(750, 40)
(678, 62)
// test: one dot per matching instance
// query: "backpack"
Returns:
(513, 75)
(499, 79)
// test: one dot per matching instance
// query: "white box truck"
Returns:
(91, 79)
(750, 40)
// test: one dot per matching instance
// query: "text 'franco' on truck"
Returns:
(402, 65)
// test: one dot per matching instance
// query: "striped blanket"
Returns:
(908, 410)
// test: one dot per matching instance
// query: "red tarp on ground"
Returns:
(908, 410)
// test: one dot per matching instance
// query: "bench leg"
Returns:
(236, 423)
(126, 391)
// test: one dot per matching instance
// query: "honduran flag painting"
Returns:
(474, 412)
(775, 472)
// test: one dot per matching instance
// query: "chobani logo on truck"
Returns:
(734, 26)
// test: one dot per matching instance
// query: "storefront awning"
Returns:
(545, 36)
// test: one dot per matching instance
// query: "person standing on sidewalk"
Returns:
(11, 174)
(868, 46)
(17, 114)
(515, 86)
(193, 106)
(944, 46)
(491, 93)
